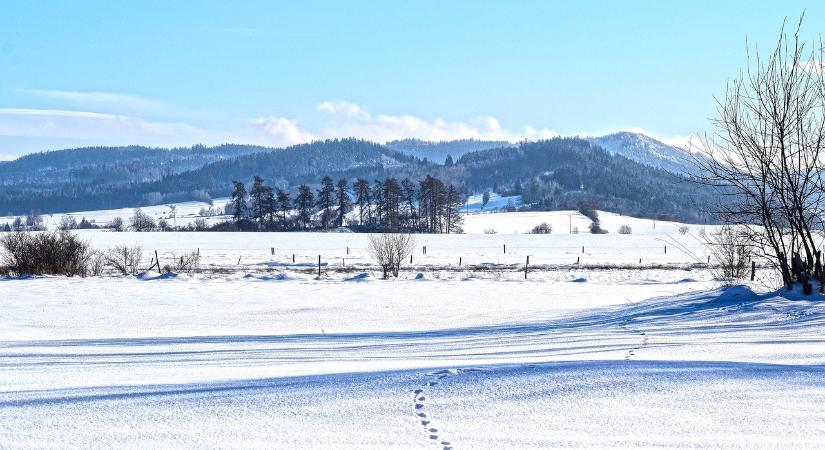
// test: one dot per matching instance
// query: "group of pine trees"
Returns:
(426, 206)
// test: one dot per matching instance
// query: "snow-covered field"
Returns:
(265, 354)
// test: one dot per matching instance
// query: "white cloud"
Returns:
(84, 100)
(344, 108)
(281, 131)
(348, 119)
(96, 128)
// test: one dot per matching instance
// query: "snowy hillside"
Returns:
(646, 150)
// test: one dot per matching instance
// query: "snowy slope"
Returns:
(232, 362)
(646, 150)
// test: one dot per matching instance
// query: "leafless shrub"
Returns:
(729, 248)
(200, 224)
(140, 221)
(124, 259)
(116, 224)
(186, 263)
(67, 222)
(542, 228)
(490, 231)
(97, 263)
(390, 249)
(625, 229)
(684, 229)
(57, 253)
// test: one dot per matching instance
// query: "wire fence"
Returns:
(428, 257)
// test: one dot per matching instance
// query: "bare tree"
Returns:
(389, 250)
(765, 155)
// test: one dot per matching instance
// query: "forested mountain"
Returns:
(113, 164)
(438, 151)
(551, 174)
(559, 173)
(648, 151)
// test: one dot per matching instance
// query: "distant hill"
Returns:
(560, 173)
(646, 150)
(552, 174)
(438, 151)
(113, 165)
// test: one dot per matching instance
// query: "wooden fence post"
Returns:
(319, 266)
(505, 249)
(753, 270)
(272, 250)
(526, 265)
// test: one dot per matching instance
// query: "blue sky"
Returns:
(184, 72)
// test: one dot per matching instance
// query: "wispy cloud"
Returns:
(104, 100)
(96, 127)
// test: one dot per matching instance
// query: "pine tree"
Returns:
(392, 200)
(453, 202)
(408, 197)
(304, 202)
(237, 202)
(344, 202)
(449, 161)
(325, 201)
(378, 199)
(363, 198)
(270, 207)
(256, 194)
(284, 202)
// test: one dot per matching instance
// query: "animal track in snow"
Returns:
(632, 352)
(419, 405)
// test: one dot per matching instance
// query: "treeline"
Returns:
(426, 206)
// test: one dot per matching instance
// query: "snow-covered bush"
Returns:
(542, 228)
(625, 229)
(684, 229)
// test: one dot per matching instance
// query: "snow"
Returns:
(259, 352)
(251, 362)
(184, 214)
(497, 202)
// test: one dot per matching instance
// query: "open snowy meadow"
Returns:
(610, 341)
